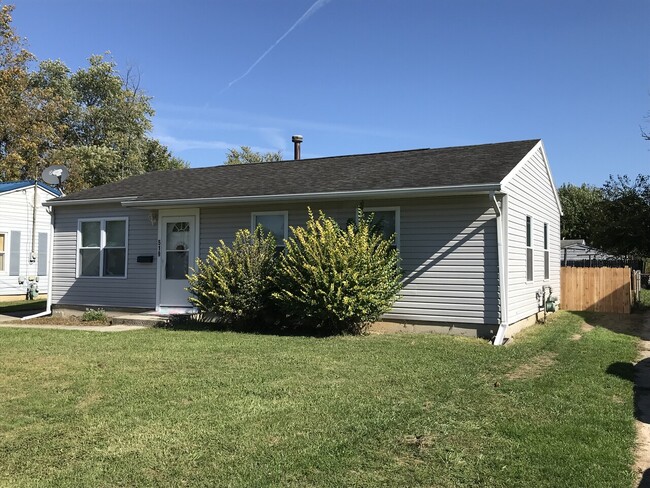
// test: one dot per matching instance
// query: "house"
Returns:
(478, 228)
(577, 253)
(24, 236)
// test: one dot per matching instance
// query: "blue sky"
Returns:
(357, 76)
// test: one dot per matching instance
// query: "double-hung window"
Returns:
(547, 263)
(529, 248)
(3, 252)
(386, 221)
(102, 245)
(274, 222)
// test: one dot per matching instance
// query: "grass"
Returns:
(644, 300)
(36, 305)
(167, 407)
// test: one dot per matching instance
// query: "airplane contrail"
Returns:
(310, 11)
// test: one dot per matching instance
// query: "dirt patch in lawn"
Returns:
(534, 368)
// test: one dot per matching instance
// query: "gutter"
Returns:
(87, 201)
(334, 195)
(501, 260)
(50, 278)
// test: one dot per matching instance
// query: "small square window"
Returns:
(274, 222)
(386, 220)
(102, 248)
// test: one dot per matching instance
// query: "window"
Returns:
(547, 263)
(102, 247)
(529, 248)
(273, 222)
(3, 252)
(386, 219)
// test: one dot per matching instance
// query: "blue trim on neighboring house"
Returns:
(16, 185)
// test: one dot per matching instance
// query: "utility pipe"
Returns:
(50, 254)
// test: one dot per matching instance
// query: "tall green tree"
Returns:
(245, 155)
(582, 207)
(95, 121)
(626, 216)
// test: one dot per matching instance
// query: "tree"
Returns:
(582, 207)
(626, 216)
(94, 120)
(245, 155)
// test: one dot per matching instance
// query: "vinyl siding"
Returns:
(137, 290)
(530, 193)
(448, 249)
(16, 215)
(447, 245)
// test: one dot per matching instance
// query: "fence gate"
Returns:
(596, 289)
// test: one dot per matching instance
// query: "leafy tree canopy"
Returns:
(245, 155)
(95, 121)
(614, 218)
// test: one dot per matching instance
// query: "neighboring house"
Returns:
(576, 252)
(478, 228)
(24, 235)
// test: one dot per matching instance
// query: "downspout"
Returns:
(501, 261)
(50, 278)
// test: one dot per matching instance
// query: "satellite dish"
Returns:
(55, 175)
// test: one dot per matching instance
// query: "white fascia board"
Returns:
(389, 193)
(524, 160)
(89, 201)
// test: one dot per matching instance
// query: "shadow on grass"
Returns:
(621, 323)
(197, 323)
(639, 374)
(645, 479)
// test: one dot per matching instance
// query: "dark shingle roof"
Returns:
(420, 168)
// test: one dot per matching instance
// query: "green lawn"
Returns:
(37, 305)
(170, 408)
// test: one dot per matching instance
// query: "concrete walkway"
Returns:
(89, 328)
(13, 321)
(642, 405)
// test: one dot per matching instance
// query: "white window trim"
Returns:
(531, 247)
(284, 213)
(7, 253)
(545, 251)
(102, 244)
(386, 209)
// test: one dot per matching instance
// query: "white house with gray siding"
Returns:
(478, 228)
(24, 235)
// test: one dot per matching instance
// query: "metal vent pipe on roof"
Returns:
(297, 139)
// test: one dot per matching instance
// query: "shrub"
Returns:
(233, 282)
(92, 315)
(337, 280)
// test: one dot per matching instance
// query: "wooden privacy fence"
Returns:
(596, 289)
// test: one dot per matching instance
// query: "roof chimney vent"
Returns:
(297, 139)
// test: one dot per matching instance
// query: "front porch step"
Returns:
(146, 320)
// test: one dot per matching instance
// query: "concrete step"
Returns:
(141, 319)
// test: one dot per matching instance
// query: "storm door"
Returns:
(177, 255)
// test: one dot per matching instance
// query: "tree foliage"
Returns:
(582, 206)
(94, 120)
(337, 280)
(245, 155)
(614, 218)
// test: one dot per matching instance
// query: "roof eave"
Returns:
(87, 201)
(335, 195)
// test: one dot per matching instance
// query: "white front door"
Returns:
(177, 243)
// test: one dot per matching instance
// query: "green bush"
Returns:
(233, 283)
(337, 280)
(92, 315)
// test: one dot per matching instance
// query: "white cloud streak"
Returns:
(310, 11)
